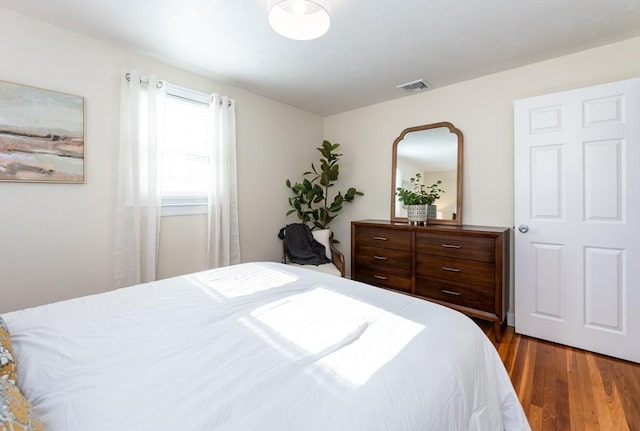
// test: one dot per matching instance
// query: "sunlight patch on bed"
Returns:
(226, 282)
(337, 331)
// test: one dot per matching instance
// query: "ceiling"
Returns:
(371, 47)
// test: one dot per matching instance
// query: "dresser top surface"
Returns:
(431, 228)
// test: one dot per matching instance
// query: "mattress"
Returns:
(259, 346)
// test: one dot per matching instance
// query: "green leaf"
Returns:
(324, 179)
(350, 194)
(334, 172)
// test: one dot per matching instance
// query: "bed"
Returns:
(259, 346)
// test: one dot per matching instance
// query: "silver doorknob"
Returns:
(523, 228)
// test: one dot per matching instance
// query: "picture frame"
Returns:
(41, 135)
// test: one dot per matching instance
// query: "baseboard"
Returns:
(511, 319)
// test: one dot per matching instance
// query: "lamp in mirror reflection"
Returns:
(300, 19)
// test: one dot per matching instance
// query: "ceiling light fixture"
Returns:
(299, 19)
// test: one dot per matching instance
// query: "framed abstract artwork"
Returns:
(41, 135)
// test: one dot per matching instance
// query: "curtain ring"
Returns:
(159, 84)
(220, 100)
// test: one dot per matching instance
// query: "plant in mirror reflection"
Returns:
(419, 194)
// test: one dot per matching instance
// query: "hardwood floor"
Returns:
(566, 389)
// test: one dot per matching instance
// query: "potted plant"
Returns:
(311, 201)
(419, 199)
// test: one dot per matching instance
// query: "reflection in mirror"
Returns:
(434, 151)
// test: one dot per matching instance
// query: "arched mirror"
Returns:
(435, 152)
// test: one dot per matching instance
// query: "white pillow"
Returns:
(322, 236)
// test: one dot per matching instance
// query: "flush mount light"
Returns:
(299, 19)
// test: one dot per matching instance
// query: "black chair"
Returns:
(335, 267)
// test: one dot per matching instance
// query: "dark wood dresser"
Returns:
(462, 267)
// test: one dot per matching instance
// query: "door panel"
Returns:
(546, 119)
(577, 177)
(603, 111)
(546, 182)
(548, 282)
(604, 288)
(603, 180)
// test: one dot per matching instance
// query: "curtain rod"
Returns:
(144, 79)
(159, 84)
(211, 99)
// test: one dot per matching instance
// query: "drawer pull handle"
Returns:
(380, 238)
(379, 277)
(451, 292)
(451, 246)
(446, 268)
(380, 258)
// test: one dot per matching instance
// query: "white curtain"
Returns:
(138, 200)
(224, 240)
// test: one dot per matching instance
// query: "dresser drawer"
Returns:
(384, 278)
(385, 238)
(383, 258)
(458, 270)
(467, 295)
(465, 247)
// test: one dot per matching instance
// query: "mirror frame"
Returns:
(452, 129)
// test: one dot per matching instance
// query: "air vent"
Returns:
(414, 86)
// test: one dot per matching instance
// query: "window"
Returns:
(185, 156)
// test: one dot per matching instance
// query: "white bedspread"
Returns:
(259, 346)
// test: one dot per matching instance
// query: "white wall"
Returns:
(483, 110)
(56, 240)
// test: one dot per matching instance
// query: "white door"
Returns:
(577, 217)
